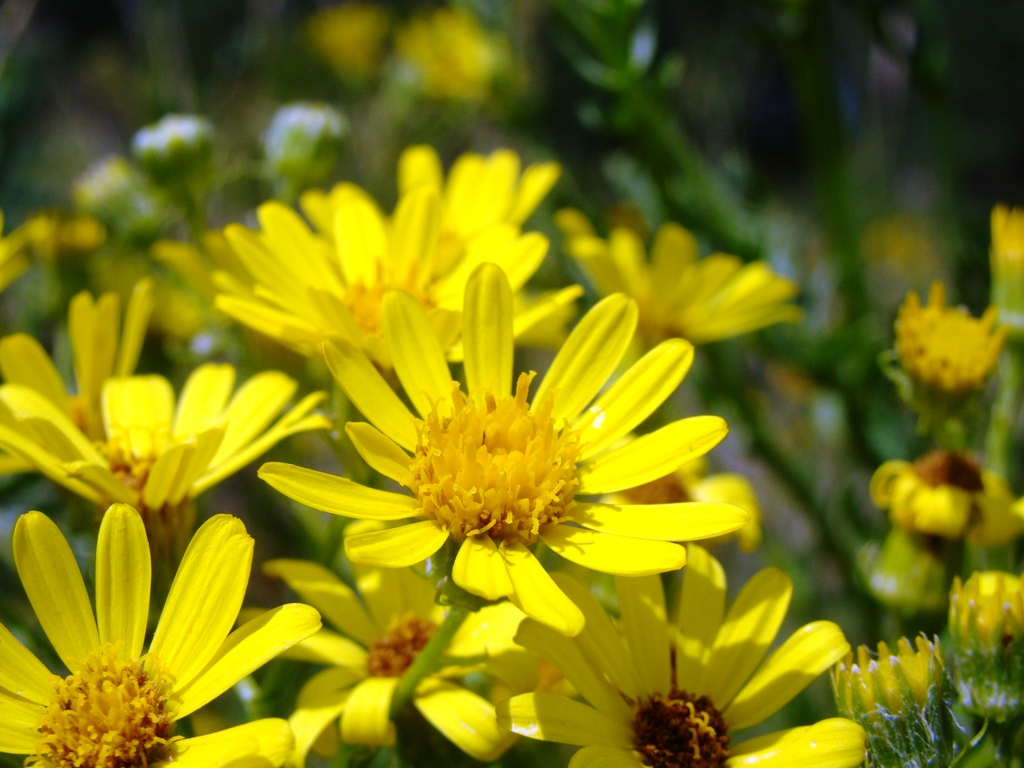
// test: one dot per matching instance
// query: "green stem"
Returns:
(430, 658)
(1005, 409)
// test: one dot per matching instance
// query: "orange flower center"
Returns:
(681, 731)
(392, 653)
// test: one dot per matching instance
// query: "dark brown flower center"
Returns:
(682, 731)
(392, 653)
(948, 468)
(665, 490)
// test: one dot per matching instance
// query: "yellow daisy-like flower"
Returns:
(453, 55)
(151, 454)
(378, 643)
(944, 348)
(496, 472)
(118, 706)
(679, 294)
(351, 37)
(53, 233)
(12, 254)
(309, 287)
(691, 482)
(1008, 266)
(947, 494)
(664, 691)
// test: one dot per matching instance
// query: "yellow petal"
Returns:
(133, 331)
(654, 455)
(749, 628)
(792, 667)
(360, 238)
(549, 309)
(465, 719)
(700, 609)
(550, 717)
(418, 165)
(53, 428)
(326, 647)
(414, 232)
(645, 625)
(203, 398)
(21, 672)
(308, 723)
(609, 553)
(122, 580)
(537, 595)
(365, 720)
(605, 757)
(565, 654)
(393, 592)
(415, 351)
(55, 588)
(685, 521)
(487, 331)
(588, 357)
(536, 182)
(24, 361)
(204, 598)
(293, 243)
(246, 649)
(254, 406)
(328, 594)
(176, 473)
(270, 739)
(634, 396)
(396, 547)
(832, 743)
(480, 569)
(379, 451)
(368, 391)
(337, 495)
(92, 326)
(18, 720)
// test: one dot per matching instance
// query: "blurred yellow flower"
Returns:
(309, 287)
(12, 254)
(119, 707)
(378, 642)
(1008, 266)
(350, 37)
(944, 348)
(679, 294)
(495, 473)
(670, 687)
(453, 55)
(947, 494)
(53, 234)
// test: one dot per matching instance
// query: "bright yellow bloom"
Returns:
(944, 348)
(53, 233)
(947, 494)
(351, 37)
(496, 472)
(700, 300)
(377, 644)
(118, 706)
(1008, 266)
(671, 690)
(691, 482)
(454, 57)
(309, 287)
(12, 254)
(149, 453)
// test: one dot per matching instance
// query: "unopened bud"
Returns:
(302, 142)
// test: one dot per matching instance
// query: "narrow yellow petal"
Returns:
(243, 745)
(54, 428)
(380, 451)
(749, 628)
(792, 667)
(700, 609)
(588, 357)
(832, 743)
(396, 547)
(368, 391)
(537, 595)
(337, 495)
(480, 569)
(293, 243)
(246, 649)
(605, 757)
(418, 165)
(414, 231)
(549, 717)
(360, 238)
(465, 719)
(326, 647)
(654, 455)
(93, 327)
(203, 398)
(685, 521)
(183, 474)
(18, 720)
(415, 351)
(122, 580)
(252, 408)
(645, 625)
(204, 598)
(536, 182)
(24, 361)
(392, 592)
(365, 720)
(634, 396)
(139, 410)
(133, 331)
(309, 722)
(487, 331)
(610, 553)
(21, 672)
(55, 588)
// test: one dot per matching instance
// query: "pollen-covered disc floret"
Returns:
(392, 653)
(110, 714)
(681, 731)
(364, 299)
(490, 466)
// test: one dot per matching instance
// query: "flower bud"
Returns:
(302, 142)
(121, 199)
(910, 574)
(177, 152)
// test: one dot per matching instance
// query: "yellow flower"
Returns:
(691, 482)
(12, 254)
(378, 643)
(454, 57)
(700, 300)
(671, 691)
(1008, 266)
(947, 494)
(118, 706)
(311, 287)
(52, 234)
(496, 473)
(944, 348)
(151, 454)
(351, 37)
